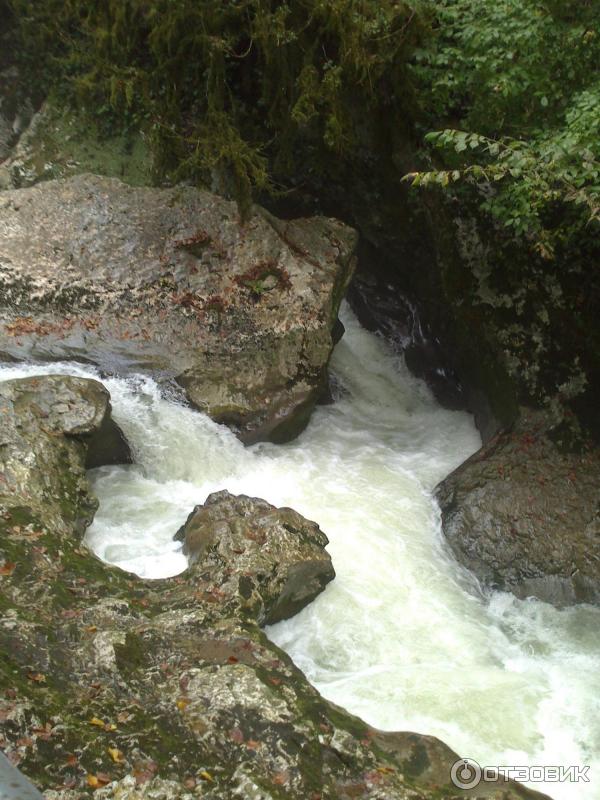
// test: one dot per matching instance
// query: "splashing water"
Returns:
(403, 637)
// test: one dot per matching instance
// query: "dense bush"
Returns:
(516, 85)
(511, 104)
(511, 87)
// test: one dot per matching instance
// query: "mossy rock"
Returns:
(123, 688)
(59, 143)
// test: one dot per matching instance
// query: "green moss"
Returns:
(66, 142)
(131, 655)
(224, 91)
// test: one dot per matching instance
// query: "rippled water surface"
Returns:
(403, 636)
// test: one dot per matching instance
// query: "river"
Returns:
(404, 637)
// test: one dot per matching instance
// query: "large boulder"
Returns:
(163, 689)
(525, 516)
(271, 559)
(171, 281)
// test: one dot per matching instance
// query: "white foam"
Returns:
(403, 636)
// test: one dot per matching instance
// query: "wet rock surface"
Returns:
(169, 281)
(124, 688)
(525, 517)
(277, 557)
(50, 426)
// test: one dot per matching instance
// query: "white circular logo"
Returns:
(465, 773)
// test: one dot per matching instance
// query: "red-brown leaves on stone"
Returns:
(260, 272)
(144, 772)
(44, 733)
(90, 323)
(22, 326)
(25, 741)
(215, 303)
(7, 569)
(236, 735)
(256, 536)
(200, 238)
(187, 300)
(70, 613)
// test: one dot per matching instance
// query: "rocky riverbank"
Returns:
(243, 316)
(522, 513)
(164, 689)
(178, 693)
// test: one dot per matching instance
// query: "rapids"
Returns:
(403, 637)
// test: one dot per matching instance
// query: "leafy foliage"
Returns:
(517, 80)
(511, 127)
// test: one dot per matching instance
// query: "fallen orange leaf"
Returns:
(96, 781)
(108, 726)
(116, 755)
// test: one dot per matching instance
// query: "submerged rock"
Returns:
(525, 517)
(137, 689)
(272, 559)
(170, 281)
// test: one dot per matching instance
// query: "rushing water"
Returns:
(403, 637)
